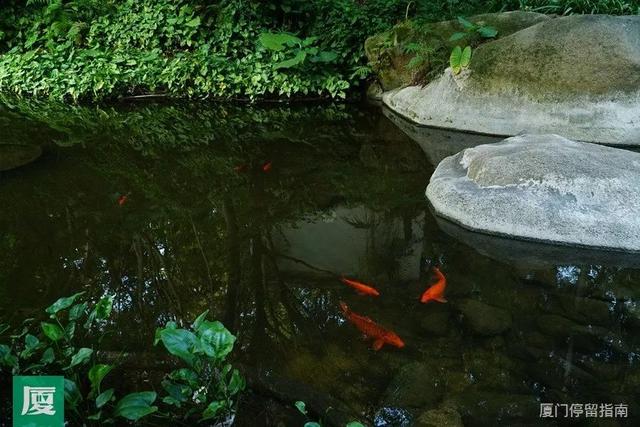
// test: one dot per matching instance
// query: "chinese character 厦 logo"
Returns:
(38, 401)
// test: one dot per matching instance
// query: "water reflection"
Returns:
(263, 251)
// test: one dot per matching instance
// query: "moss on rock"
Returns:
(387, 51)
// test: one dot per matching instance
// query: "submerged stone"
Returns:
(14, 155)
(445, 416)
(543, 187)
(484, 319)
(416, 385)
(578, 76)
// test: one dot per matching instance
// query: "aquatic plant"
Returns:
(302, 408)
(206, 388)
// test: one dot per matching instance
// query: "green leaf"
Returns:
(213, 409)
(302, 407)
(136, 405)
(236, 383)
(62, 304)
(70, 331)
(277, 41)
(101, 311)
(487, 32)
(298, 59)
(51, 331)
(455, 58)
(416, 61)
(196, 323)
(104, 398)
(180, 342)
(82, 356)
(466, 24)
(31, 343)
(216, 340)
(3, 328)
(71, 393)
(48, 356)
(96, 375)
(194, 22)
(179, 392)
(325, 56)
(185, 375)
(77, 311)
(312, 424)
(6, 358)
(457, 36)
(355, 424)
(95, 417)
(465, 59)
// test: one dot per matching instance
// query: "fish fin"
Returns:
(441, 299)
(344, 307)
(377, 344)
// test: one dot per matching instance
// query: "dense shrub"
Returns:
(96, 49)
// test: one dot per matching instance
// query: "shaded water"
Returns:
(263, 251)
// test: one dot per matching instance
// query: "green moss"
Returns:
(387, 51)
(591, 55)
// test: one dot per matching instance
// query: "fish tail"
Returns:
(344, 307)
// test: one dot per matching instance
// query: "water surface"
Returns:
(263, 251)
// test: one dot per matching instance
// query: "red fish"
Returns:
(436, 291)
(371, 329)
(122, 200)
(241, 168)
(361, 288)
(266, 167)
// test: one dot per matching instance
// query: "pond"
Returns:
(255, 213)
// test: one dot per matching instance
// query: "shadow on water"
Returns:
(205, 227)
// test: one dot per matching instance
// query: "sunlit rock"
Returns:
(577, 76)
(545, 188)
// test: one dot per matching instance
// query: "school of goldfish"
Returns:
(376, 332)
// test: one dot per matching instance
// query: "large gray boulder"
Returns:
(543, 187)
(578, 76)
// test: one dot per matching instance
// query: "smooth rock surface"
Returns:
(416, 385)
(484, 319)
(578, 76)
(543, 187)
(389, 57)
(13, 155)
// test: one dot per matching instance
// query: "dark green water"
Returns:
(263, 250)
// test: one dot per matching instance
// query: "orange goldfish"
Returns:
(436, 291)
(371, 329)
(266, 167)
(122, 200)
(361, 288)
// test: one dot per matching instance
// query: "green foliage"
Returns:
(302, 408)
(298, 50)
(209, 382)
(208, 386)
(469, 28)
(92, 50)
(460, 58)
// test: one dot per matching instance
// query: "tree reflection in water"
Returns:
(263, 251)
